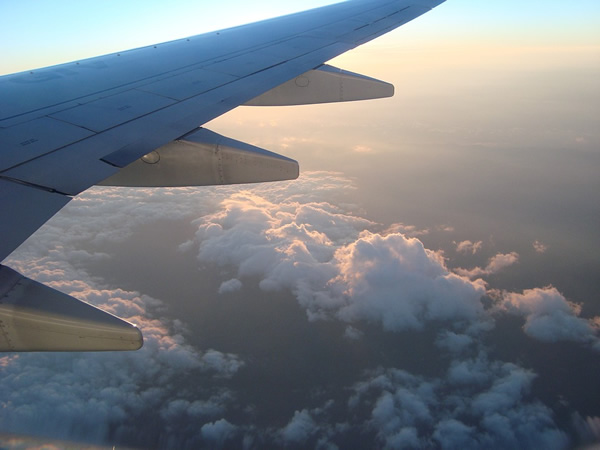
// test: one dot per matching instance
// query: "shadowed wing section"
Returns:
(34, 317)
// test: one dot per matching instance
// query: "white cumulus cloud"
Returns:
(492, 412)
(300, 428)
(549, 316)
(339, 268)
(335, 267)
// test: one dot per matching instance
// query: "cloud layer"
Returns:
(306, 238)
(103, 397)
(481, 404)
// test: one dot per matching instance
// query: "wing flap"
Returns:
(325, 84)
(205, 158)
(35, 317)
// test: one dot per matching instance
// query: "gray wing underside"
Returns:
(68, 127)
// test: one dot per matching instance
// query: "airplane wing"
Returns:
(134, 119)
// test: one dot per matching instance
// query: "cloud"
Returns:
(495, 265)
(453, 342)
(396, 281)
(352, 333)
(549, 316)
(232, 285)
(363, 149)
(468, 246)
(182, 409)
(93, 396)
(452, 433)
(312, 428)
(109, 397)
(492, 412)
(339, 268)
(407, 230)
(299, 429)
(335, 267)
(469, 372)
(225, 365)
(540, 247)
(217, 433)
(500, 261)
(588, 429)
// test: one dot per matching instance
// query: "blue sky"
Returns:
(39, 33)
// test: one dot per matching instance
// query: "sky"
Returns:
(429, 281)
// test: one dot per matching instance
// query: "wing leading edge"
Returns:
(68, 127)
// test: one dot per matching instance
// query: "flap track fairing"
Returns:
(325, 84)
(205, 158)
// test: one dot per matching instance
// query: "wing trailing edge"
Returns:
(35, 317)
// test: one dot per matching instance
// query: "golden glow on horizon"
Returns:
(488, 97)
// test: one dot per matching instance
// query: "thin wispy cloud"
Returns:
(495, 265)
(468, 246)
(407, 230)
(540, 247)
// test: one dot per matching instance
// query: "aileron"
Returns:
(326, 84)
